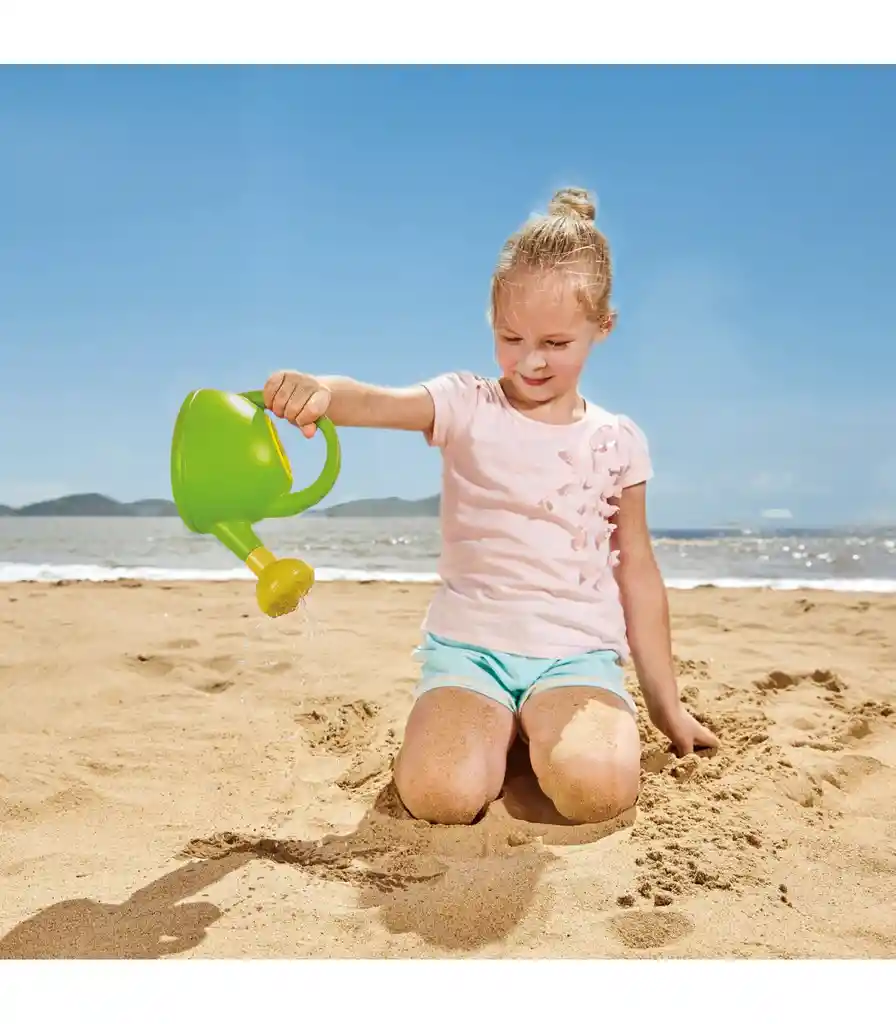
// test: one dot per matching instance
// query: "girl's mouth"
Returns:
(534, 382)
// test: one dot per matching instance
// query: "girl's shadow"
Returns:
(150, 924)
(458, 887)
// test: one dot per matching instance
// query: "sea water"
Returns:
(407, 550)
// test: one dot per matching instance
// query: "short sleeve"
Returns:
(454, 397)
(636, 451)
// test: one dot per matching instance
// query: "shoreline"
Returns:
(54, 577)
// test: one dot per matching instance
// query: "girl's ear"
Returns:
(603, 329)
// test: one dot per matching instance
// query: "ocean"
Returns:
(72, 548)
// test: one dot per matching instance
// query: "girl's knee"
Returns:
(585, 752)
(587, 787)
(442, 794)
(453, 757)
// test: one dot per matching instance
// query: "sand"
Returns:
(180, 776)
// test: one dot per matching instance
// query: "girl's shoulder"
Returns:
(459, 397)
(629, 439)
(601, 416)
(466, 390)
(460, 382)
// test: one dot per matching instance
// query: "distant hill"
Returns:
(384, 508)
(151, 507)
(100, 505)
(93, 505)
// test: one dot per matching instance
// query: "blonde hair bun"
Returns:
(573, 201)
(565, 240)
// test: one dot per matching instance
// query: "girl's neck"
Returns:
(567, 408)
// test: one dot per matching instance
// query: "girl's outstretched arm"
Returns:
(646, 606)
(303, 398)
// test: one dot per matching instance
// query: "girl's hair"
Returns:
(564, 239)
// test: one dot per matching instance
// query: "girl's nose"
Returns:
(533, 360)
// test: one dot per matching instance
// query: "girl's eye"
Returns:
(557, 344)
(511, 341)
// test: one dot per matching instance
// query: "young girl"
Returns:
(548, 573)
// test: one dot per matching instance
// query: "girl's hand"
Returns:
(297, 397)
(685, 732)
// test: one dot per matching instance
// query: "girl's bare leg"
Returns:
(585, 751)
(454, 755)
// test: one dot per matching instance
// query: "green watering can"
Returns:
(229, 471)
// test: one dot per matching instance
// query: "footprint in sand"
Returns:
(650, 929)
(852, 771)
(78, 797)
(220, 663)
(336, 727)
(834, 722)
(866, 781)
(151, 664)
(224, 667)
(209, 675)
(213, 685)
(368, 770)
(802, 788)
(777, 680)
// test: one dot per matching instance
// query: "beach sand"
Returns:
(180, 776)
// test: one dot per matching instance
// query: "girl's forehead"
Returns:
(547, 303)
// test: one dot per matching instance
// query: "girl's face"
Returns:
(542, 337)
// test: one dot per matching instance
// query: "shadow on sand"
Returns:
(151, 923)
(459, 887)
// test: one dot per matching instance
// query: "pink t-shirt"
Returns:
(526, 562)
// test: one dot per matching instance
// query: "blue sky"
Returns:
(171, 228)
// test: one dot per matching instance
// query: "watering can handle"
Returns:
(298, 501)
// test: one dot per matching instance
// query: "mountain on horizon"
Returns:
(89, 505)
(92, 505)
(385, 508)
(100, 505)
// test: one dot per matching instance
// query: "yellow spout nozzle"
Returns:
(282, 582)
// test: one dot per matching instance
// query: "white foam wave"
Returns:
(845, 586)
(23, 572)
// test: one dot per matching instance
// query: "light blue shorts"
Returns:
(511, 679)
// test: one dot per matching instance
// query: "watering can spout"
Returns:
(282, 582)
(229, 471)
